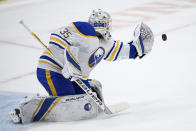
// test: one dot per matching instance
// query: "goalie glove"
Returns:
(143, 39)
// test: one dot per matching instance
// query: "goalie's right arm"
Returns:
(140, 46)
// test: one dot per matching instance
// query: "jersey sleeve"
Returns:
(72, 63)
(118, 50)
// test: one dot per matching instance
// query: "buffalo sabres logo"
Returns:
(96, 57)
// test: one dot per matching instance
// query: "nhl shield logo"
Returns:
(96, 57)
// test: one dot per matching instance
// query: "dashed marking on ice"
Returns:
(148, 11)
(131, 16)
(176, 28)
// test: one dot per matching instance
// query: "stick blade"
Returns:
(116, 108)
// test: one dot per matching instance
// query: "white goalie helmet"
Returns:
(102, 23)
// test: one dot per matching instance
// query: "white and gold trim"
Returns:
(58, 40)
(114, 51)
(50, 63)
(38, 107)
(82, 33)
(51, 107)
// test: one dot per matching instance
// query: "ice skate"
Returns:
(15, 115)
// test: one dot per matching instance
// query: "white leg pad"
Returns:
(66, 108)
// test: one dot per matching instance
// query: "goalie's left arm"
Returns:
(118, 50)
(140, 46)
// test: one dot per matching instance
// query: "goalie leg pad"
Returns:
(66, 108)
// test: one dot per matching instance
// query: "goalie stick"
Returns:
(118, 107)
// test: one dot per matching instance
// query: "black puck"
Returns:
(164, 37)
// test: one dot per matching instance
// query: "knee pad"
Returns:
(96, 86)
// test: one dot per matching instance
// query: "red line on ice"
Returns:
(17, 44)
(176, 28)
(17, 77)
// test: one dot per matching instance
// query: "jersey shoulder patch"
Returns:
(85, 29)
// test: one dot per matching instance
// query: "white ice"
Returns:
(160, 88)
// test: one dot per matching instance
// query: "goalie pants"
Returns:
(57, 85)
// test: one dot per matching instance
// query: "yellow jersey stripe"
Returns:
(114, 52)
(53, 38)
(82, 33)
(46, 62)
(139, 44)
(100, 28)
(50, 83)
(50, 109)
(75, 68)
(68, 49)
(38, 107)
(47, 53)
(85, 77)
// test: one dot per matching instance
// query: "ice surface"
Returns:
(160, 88)
(9, 101)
